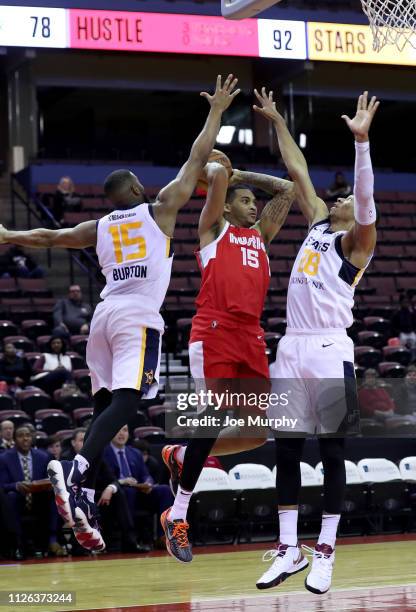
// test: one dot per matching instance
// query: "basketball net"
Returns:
(393, 22)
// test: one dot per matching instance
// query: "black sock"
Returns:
(122, 409)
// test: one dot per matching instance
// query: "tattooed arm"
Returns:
(275, 212)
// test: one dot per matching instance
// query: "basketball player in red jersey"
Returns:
(227, 342)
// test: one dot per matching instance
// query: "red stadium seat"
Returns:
(79, 343)
(185, 266)
(56, 421)
(18, 417)
(277, 324)
(34, 328)
(371, 338)
(377, 324)
(279, 265)
(30, 401)
(42, 342)
(8, 287)
(64, 434)
(6, 403)
(33, 356)
(184, 233)
(68, 402)
(82, 378)
(157, 415)
(409, 266)
(405, 283)
(367, 356)
(77, 361)
(22, 343)
(150, 433)
(33, 286)
(7, 328)
(390, 369)
(178, 284)
(74, 218)
(80, 415)
(398, 354)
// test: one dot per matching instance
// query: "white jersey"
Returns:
(322, 283)
(136, 259)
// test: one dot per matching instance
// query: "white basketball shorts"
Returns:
(316, 371)
(122, 352)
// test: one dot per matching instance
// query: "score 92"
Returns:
(282, 40)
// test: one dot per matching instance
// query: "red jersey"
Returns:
(235, 274)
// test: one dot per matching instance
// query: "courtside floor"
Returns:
(370, 574)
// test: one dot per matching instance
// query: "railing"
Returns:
(37, 211)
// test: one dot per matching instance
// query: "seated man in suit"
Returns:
(20, 466)
(128, 465)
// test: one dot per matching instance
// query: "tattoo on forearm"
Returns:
(269, 184)
(277, 208)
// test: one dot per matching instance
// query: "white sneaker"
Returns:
(319, 578)
(288, 560)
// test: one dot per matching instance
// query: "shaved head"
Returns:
(123, 188)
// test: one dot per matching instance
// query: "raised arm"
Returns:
(79, 237)
(275, 212)
(175, 195)
(359, 242)
(211, 220)
(312, 207)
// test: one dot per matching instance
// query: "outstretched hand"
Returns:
(360, 124)
(268, 106)
(224, 94)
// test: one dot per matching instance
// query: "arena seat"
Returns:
(213, 479)
(34, 328)
(401, 425)
(157, 415)
(22, 343)
(371, 338)
(407, 467)
(82, 378)
(33, 286)
(277, 324)
(68, 402)
(150, 433)
(78, 362)
(378, 470)
(64, 434)
(79, 343)
(8, 287)
(398, 354)
(52, 420)
(32, 400)
(377, 324)
(390, 369)
(371, 428)
(18, 417)
(42, 341)
(367, 356)
(7, 328)
(251, 476)
(80, 415)
(6, 402)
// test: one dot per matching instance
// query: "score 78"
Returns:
(45, 26)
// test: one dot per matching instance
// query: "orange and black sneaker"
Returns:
(174, 466)
(177, 543)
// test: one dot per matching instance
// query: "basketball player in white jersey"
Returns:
(315, 359)
(133, 245)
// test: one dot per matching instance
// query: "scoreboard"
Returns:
(193, 34)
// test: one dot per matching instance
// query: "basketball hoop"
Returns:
(393, 22)
(242, 9)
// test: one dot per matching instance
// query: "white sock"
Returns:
(288, 521)
(180, 506)
(83, 464)
(329, 528)
(90, 493)
(180, 454)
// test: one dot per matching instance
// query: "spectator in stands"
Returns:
(22, 265)
(53, 368)
(65, 199)
(374, 399)
(54, 447)
(71, 315)
(405, 393)
(152, 464)
(19, 467)
(340, 188)
(128, 465)
(6, 434)
(14, 370)
(403, 323)
(77, 442)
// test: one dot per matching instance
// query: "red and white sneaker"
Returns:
(319, 578)
(288, 561)
(86, 528)
(174, 466)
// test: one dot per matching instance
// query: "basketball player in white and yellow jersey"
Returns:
(133, 245)
(315, 359)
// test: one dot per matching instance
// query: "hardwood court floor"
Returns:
(368, 576)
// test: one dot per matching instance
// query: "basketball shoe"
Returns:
(177, 543)
(319, 578)
(174, 466)
(288, 561)
(65, 479)
(86, 528)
